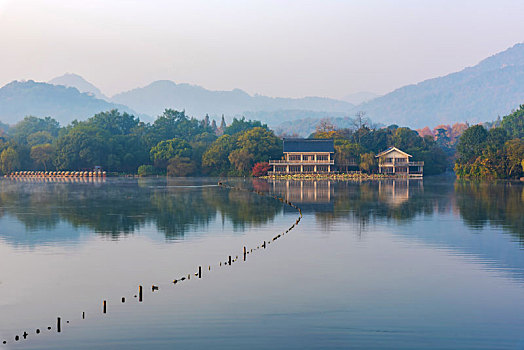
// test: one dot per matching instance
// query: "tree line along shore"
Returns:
(178, 145)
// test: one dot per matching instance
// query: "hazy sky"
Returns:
(275, 48)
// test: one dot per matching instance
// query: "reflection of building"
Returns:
(396, 162)
(398, 191)
(303, 156)
(307, 194)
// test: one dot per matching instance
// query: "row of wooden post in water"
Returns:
(230, 260)
(45, 174)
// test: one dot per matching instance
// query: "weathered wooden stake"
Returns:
(230, 260)
(200, 272)
(244, 253)
(58, 325)
(140, 293)
(83, 315)
(104, 309)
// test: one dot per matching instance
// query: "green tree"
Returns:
(9, 160)
(471, 143)
(368, 162)
(82, 147)
(146, 170)
(180, 166)
(166, 150)
(261, 143)
(514, 150)
(514, 123)
(242, 160)
(43, 154)
(215, 160)
(347, 153)
(240, 125)
(39, 138)
(30, 125)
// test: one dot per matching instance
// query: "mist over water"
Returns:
(432, 263)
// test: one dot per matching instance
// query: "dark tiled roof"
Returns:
(308, 145)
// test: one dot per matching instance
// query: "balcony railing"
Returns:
(298, 162)
(402, 164)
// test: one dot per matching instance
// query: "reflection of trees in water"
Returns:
(244, 208)
(498, 204)
(176, 210)
(399, 200)
(122, 207)
(479, 204)
(17, 203)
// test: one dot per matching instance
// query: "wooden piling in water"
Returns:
(58, 325)
(200, 272)
(140, 293)
(230, 260)
(104, 307)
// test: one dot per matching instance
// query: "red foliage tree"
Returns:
(425, 132)
(260, 169)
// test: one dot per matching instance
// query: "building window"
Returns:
(322, 157)
(294, 169)
(309, 168)
(294, 157)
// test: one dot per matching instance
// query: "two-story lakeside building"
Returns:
(396, 162)
(305, 156)
(316, 156)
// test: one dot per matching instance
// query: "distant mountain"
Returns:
(306, 126)
(493, 87)
(198, 101)
(360, 97)
(288, 117)
(19, 99)
(82, 85)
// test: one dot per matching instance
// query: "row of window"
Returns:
(397, 160)
(306, 168)
(307, 157)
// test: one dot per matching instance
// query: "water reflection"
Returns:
(45, 207)
(119, 207)
(466, 217)
(435, 256)
(478, 204)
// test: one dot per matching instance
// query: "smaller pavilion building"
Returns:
(305, 156)
(396, 162)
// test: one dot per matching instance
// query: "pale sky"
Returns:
(276, 48)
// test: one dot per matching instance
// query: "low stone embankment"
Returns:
(46, 174)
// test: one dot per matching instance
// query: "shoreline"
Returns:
(356, 176)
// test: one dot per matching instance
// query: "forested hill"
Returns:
(19, 99)
(476, 94)
(198, 101)
(76, 81)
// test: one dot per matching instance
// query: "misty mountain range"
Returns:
(22, 98)
(480, 93)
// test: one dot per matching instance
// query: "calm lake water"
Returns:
(433, 264)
